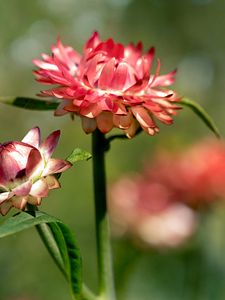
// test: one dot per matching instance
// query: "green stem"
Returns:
(87, 294)
(105, 269)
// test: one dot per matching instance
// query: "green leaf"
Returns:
(203, 115)
(51, 245)
(24, 221)
(30, 103)
(72, 259)
(58, 240)
(78, 155)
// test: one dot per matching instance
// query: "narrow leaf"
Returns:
(58, 240)
(24, 221)
(51, 245)
(30, 103)
(78, 155)
(203, 115)
(74, 259)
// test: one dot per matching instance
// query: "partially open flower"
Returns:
(27, 170)
(109, 85)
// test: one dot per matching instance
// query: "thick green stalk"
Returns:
(105, 269)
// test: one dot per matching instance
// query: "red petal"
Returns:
(93, 41)
(61, 53)
(143, 117)
(13, 159)
(104, 122)
(39, 189)
(91, 111)
(55, 165)
(49, 145)
(153, 78)
(107, 104)
(60, 111)
(122, 122)
(33, 137)
(131, 131)
(106, 46)
(163, 117)
(164, 80)
(94, 69)
(23, 189)
(120, 77)
(35, 163)
(88, 124)
(44, 65)
(148, 60)
(107, 74)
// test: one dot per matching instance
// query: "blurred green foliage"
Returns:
(188, 35)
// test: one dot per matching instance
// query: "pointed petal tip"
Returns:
(50, 143)
(23, 189)
(56, 165)
(151, 51)
(34, 162)
(95, 34)
(139, 46)
(33, 137)
(58, 40)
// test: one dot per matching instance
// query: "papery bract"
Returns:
(27, 170)
(109, 85)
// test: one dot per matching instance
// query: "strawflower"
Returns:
(109, 85)
(27, 170)
(145, 211)
(160, 206)
(195, 176)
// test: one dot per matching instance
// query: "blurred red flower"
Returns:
(195, 176)
(109, 85)
(160, 206)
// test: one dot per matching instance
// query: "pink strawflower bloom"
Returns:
(109, 85)
(161, 205)
(145, 211)
(27, 170)
(195, 177)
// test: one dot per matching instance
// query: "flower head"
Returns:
(145, 210)
(195, 177)
(160, 205)
(109, 85)
(27, 170)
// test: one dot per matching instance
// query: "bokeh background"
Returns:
(188, 35)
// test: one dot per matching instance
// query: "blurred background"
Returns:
(188, 35)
